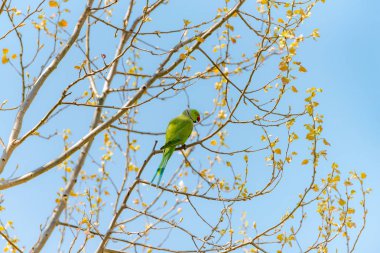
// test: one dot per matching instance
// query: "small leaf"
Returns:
(182, 56)
(302, 69)
(315, 33)
(84, 220)
(283, 66)
(341, 202)
(230, 27)
(285, 80)
(4, 59)
(200, 39)
(186, 22)
(347, 183)
(334, 166)
(62, 23)
(304, 162)
(53, 4)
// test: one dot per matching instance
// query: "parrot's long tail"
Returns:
(165, 158)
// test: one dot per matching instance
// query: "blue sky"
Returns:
(345, 62)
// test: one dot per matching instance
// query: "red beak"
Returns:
(199, 118)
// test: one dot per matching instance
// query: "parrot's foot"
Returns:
(184, 146)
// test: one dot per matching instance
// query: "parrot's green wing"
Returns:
(172, 143)
(178, 131)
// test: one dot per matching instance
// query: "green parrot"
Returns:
(177, 133)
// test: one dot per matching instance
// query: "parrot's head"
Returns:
(192, 114)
